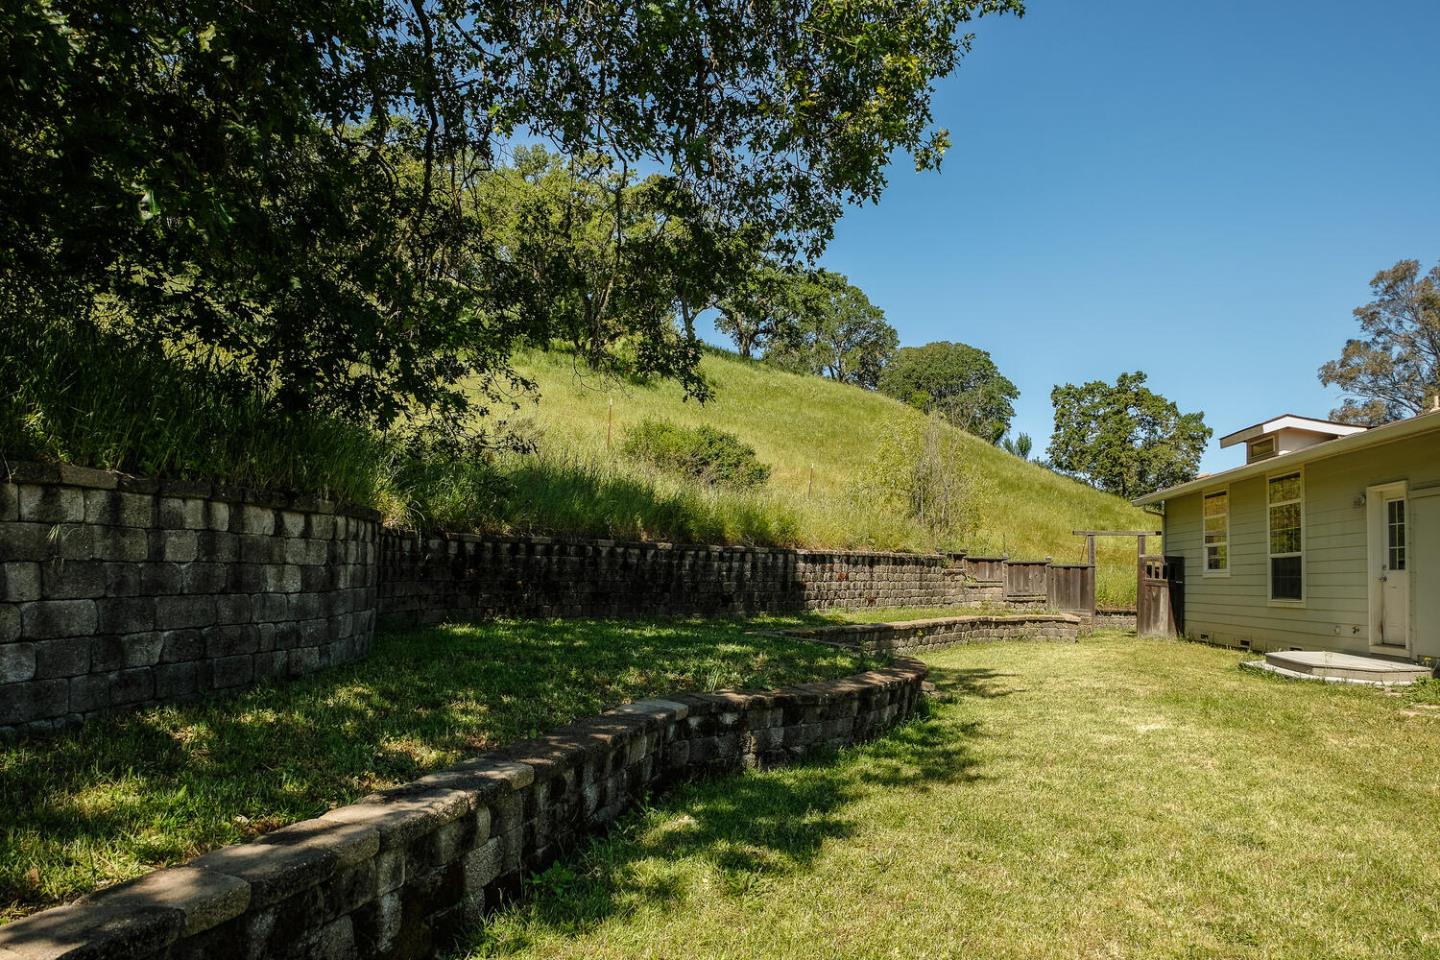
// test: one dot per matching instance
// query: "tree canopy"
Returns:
(284, 194)
(1394, 369)
(838, 332)
(764, 308)
(1123, 437)
(956, 380)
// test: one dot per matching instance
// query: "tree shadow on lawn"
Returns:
(127, 793)
(751, 829)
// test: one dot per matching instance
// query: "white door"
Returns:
(1390, 567)
(1395, 606)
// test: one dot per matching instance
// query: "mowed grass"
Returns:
(817, 435)
(1113, 798)
(123, 795)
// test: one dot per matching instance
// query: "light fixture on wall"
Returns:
(1360, 500)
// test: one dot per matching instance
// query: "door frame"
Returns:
(1376, 554)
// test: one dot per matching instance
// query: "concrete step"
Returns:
(1348, 667)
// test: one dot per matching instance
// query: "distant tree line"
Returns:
(818, 322)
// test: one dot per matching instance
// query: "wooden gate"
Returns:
(1072, 588)
(1160, 597)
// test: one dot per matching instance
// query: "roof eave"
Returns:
(1399, 430)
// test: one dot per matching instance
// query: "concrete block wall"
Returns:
(1114, 618)
(401, 873)
(117, 591)
(435, 577)
(913, 636)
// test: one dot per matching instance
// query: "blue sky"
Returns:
(1200, 191)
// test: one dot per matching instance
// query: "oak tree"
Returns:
(279, 192)
(956, 380)
(839, 333)
(1123, 437)
(1393, 370)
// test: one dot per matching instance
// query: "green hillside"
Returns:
(816, 434)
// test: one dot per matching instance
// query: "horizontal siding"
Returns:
(1425, 543)
(1336, 611)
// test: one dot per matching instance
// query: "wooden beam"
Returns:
(1116, 533)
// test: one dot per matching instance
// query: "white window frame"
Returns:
(1205, 545)
(1269, 567)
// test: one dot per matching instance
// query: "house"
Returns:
(1328, 538)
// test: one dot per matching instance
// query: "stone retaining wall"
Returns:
(1113, 618)
(910, 636)
(117, 591)
(437, 577)
(399, 874)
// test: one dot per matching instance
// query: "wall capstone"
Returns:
(401, 873)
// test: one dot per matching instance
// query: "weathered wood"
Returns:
(1160, 596)
(1116, 533)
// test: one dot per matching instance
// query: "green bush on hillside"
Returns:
(703, 453)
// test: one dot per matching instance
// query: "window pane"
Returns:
(1285, 528)
(1285, 488)
(1217, 558)
(1285, 578)
(1216, 504)
(1395, 514)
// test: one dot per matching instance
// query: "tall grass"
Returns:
(818, 437)
(92, 397)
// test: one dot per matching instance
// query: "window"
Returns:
(1217, 532)
(1261, 449)
(1395, 534)
(1287, 513)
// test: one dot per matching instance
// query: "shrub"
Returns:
(702, 453)
(926, 471)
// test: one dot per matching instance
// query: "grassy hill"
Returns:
(816, 434)
(101, 403)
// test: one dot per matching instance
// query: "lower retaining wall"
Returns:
(1113, 618)
(438, 577)
(401, 873)
(916, 635)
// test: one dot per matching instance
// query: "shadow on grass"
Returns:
(124, 794)
(747, 830)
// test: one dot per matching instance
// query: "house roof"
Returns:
(1289, 421)
(1351, 443)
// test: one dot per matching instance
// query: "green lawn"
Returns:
(1113, 798)
(119, 796)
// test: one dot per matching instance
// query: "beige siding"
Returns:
(1425, 541)
(1335, 613)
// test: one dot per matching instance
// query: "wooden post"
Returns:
(1090, 548)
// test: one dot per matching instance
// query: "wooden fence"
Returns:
(1067, 587)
